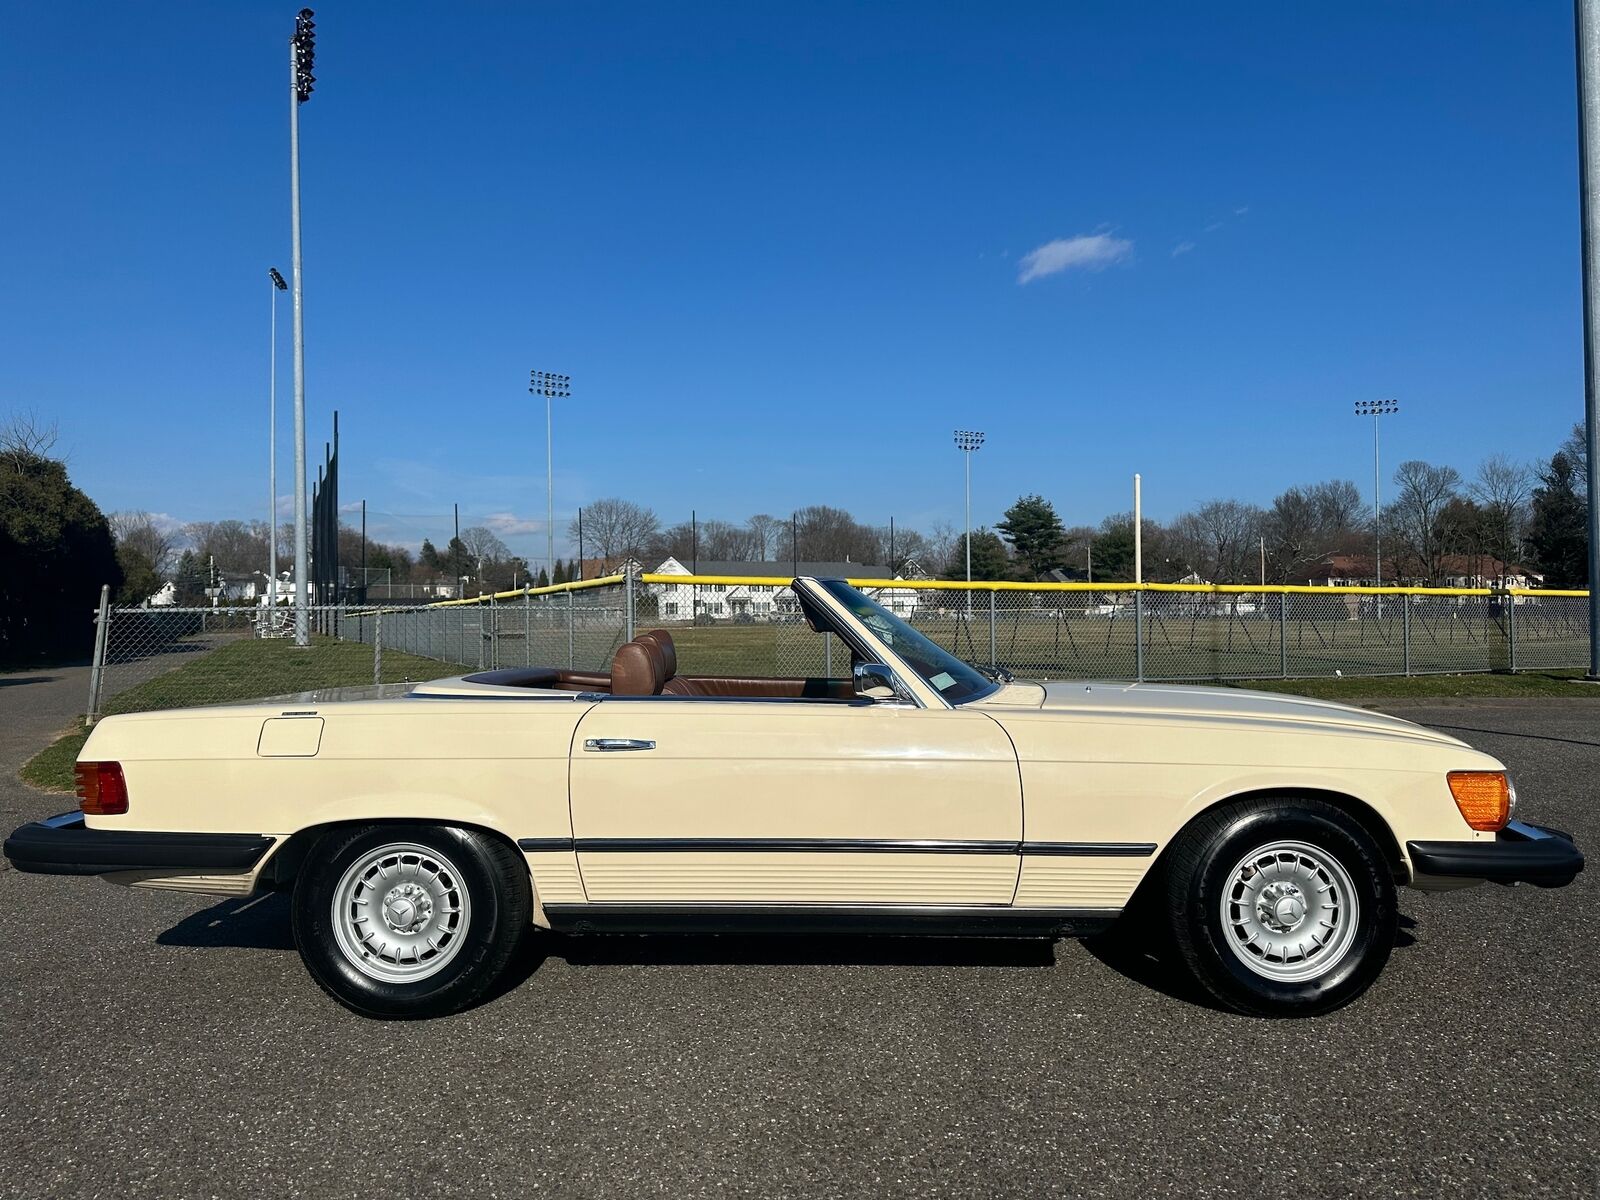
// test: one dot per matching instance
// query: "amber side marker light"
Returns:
(102, 792)
(1484, 798)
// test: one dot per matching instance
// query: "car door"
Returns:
(685, 801)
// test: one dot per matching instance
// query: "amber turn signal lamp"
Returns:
(102, 792)
(1484, 798)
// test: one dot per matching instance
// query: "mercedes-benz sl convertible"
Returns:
(423, 835)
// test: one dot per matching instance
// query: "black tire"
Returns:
(1200, 872)
(497, 906)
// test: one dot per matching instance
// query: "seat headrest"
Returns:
(636, 670)
(663, 642)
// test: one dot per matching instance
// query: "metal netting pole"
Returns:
(1138, 636)
(1511, 631)
(627, 606)
(1405, 630)
(1283, 635)
(527, 628)
(994, 660)
(102, 623)
(377, 647)
(571, 634)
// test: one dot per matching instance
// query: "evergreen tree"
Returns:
(561, 572)
(1035, 533)
(1557, 534)
(543, 580)
(989, 558)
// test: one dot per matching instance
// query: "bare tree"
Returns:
(1504, 491)
(832, 535)
(617, 530)
(1219, 540)
(723, 541)
(139, 533)
(24, 433)
(484, 545)
(1576, 448)
(1305, 524)
(1423, 492)
(234, 545)
(766, 532)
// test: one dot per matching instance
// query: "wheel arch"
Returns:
(1358, 810)
(279, 872)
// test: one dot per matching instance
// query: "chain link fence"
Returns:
(149, 658)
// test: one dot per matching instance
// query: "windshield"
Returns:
(944, 672)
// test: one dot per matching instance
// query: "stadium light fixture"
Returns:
(1376, 409)
(551, 387)
(968, 441)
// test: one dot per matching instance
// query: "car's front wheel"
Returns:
(409, 920)
(1281, 908)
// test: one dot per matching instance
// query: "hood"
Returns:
(1179, 701)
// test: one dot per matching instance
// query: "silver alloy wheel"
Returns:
(400, 913)
(1290, 912)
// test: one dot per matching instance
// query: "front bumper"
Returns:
(65, 845)
(1520, 853)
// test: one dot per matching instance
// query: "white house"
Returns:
(763, 601)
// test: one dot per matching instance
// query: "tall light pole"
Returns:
(1587, 21)
(968, 441)
(302, 51)
(278, 285)
(1376, 409)
(551, 387)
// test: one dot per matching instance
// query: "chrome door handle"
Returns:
(610, 744)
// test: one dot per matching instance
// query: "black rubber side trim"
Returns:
(1520, 853)
(918, 920)
(782, 845)
(1092, 849)
(845, 845)
(64, 845)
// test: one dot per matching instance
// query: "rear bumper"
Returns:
(1520, 853)
(64, 845)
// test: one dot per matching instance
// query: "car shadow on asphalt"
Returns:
(256, 923)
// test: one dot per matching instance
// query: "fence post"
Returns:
(1511, 630)
(994, 662)
(627, 603)
(1138, 636)
(1283, 635)
(827, 655)
(1405, 629)
(527, 627)
(102, 622)
(571, 642)
(377, 647)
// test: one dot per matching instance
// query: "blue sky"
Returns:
(783, 250)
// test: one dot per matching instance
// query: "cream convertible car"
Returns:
(422, 834)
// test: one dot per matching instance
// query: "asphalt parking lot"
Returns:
(159, 1044)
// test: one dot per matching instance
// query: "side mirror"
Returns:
(874, 681)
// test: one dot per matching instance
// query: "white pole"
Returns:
(1587, 20)
(272, 460)
(302, 616)
(1138, 533)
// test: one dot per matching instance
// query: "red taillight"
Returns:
(102, 792)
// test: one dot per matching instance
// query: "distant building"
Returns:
(1456, 571)
(764, 601)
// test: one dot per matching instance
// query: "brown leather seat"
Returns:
(637, 669)
(669, 652)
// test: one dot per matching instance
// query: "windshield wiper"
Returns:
(993, 674)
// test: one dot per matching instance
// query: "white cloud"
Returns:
(1089, 252)
(509, 524)
(1182, 248)
(1241, 210)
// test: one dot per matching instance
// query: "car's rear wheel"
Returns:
(409, 920)
(1281, 908)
